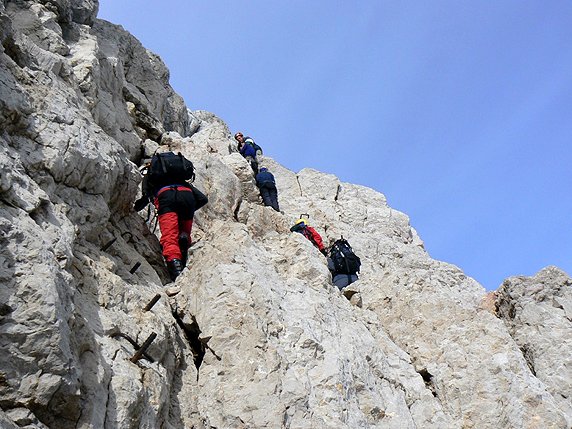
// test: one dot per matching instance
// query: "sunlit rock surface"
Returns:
(252, 334)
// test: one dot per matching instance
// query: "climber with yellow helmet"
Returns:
(310, 233)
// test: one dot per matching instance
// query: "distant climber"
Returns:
(249, 141)
(267, 186)
(343, 263)
(166, 183)
(310, 233)
(247, 151)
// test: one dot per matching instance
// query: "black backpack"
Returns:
(171, 167)
(344, 259)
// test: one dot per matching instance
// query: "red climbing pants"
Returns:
(176, 207)
(171, 229)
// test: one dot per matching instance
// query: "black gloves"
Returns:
(141, 203)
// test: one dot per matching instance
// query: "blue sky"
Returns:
(459, 112)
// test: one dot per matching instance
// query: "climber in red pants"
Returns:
(176, 200)
(176, 206)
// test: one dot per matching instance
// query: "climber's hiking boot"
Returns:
(175, 267)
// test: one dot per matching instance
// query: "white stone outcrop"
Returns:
(538, 313)
(252, 334)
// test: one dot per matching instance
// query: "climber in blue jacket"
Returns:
(267, 186)
(248, 152)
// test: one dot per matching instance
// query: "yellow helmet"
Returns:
(300, 221)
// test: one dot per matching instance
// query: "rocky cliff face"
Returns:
(253, 334)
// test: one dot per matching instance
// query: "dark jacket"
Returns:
(264, 177)
(247, 150)
(200, 198)
(150, 190)
(257, 149)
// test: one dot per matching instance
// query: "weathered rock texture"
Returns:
(256, 337)
(538, 314)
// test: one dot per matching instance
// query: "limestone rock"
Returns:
(489, 303)
(145, 80)
(7, 422)
(40, 24)
(84, 11)
(538, 313)
(252, 334)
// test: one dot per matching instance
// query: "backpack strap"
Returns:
(162, 161)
